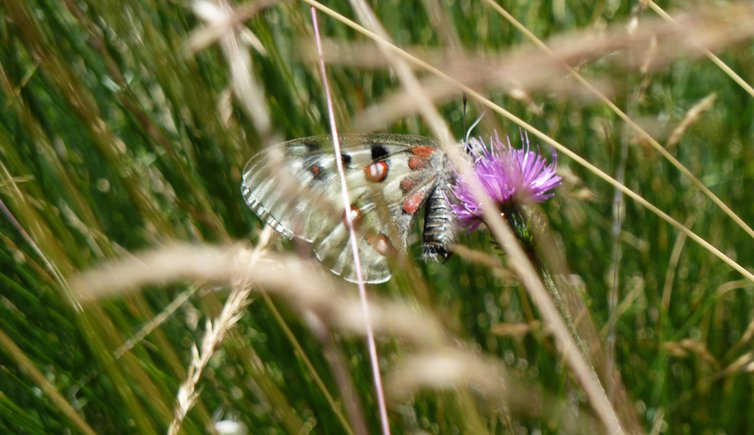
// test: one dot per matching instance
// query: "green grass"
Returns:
(112, 140)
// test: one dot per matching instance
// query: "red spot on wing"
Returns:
(376, 172)
(421, 155)
(412, 203)
(382, 244)
(409, 183)
(423, 151)
(416, 164)
(355, 213)
(315, 170)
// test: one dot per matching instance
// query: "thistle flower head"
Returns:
(509, 176)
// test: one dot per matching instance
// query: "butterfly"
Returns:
(295, 188)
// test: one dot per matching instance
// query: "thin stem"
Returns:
(521, 225)
(354, 244)
(565, 313)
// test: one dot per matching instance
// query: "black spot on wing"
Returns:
(379, 152)
(346, 159)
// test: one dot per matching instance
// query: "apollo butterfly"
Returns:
(295, 188)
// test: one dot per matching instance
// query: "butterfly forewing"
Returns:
(295, 188)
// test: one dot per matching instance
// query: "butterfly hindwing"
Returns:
(295, 188)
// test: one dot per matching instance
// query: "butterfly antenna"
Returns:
(463, 116)
(473, 126)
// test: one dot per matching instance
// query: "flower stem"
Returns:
(521, 223)
(565, 313)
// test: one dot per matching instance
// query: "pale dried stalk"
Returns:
(740, 13)
(695, 33)
(219, 22)
(716, 60)
(352, 239)
(223, 25)
(486, 102)
(743, 16)
(691, 117)
(675, 258)
(534, 68)
(154, 322)
(213, 338)
(500, 230)
(294, 280)
(455, 367)
(298, 283)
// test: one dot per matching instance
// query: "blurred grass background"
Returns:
(114, 137)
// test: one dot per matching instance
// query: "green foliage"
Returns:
(112, 139)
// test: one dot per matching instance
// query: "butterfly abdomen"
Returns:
(439, 221)
(439, 225)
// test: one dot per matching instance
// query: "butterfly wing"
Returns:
(295, 188)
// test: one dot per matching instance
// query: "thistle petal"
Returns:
(507, 175)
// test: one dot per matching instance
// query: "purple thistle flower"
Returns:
(509, 176)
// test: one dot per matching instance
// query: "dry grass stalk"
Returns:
(642, 133)
(716, 60)
(484, 259)
(675, 258)
(155, 322)
(315, 295)
(691, 117)
(223, 25)
(213, 338)
(220, 22)
(531, 68)
(743, 364)
(518, 330)
(296, 281)
(501, 231)
(688, 346)
(446, 368)
(441, 132)
(715, 37)
(353, 241)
